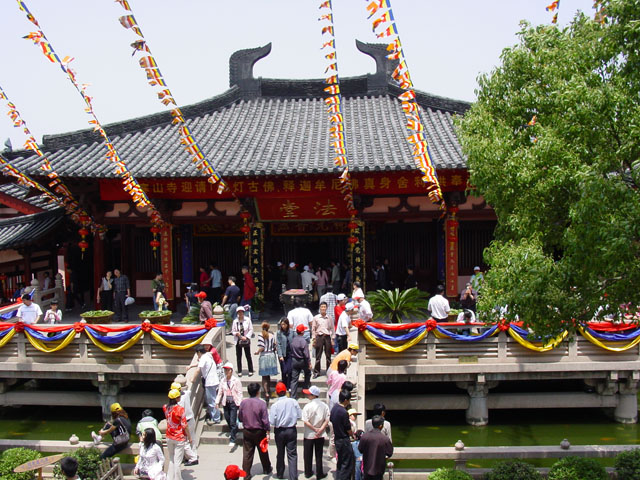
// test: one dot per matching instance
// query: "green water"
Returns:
(410, 429)
(508, 427)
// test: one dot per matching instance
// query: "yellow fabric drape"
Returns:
(391, 348)
(606, 346)
(4, 340)
(550, 345)
(178, 345)
(120, 348)
(42, 346)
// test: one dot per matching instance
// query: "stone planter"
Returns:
(97, 319)
(159, 319)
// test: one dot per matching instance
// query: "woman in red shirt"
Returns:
(177, 434)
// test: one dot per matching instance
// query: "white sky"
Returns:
(447, 44)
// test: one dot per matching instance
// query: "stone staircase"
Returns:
(219, 434)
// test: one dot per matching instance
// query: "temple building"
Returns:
(269, 139)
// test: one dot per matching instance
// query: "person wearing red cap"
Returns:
(283, 415)
(206, 310)
(233, 472)
(300, 360)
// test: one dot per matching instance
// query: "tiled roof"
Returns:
(21, 193)
(27, 229)
(267, 127)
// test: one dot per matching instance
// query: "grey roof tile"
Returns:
(27, 229)
(21, 193)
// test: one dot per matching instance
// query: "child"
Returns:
(357, 453)
(53, 315)
(69, 467)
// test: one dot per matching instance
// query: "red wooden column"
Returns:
(451, 251)
(98, 264)
(166, 262)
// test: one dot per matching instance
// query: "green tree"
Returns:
(552, 145)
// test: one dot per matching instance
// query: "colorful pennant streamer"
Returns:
(130, 184)
(106, 338)
(149, 64)
(554, 7)
(384, 26)
(334, 106)
(72, 207)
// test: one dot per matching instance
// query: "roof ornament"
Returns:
(379, 81)
(241, 68)
(8, 147)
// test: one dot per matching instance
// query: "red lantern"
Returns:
(83, 232)
(84, 219)
(155, 230)
(245, 229)
(246, 243)
(352, 225)
(353, 212)
(83, 245)
(154, 244)
(3, 277)
(352, 240)
(245, 215)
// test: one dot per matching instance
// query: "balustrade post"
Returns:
(59, 286)
(627, 409)
(502, 346)
(218, 315)
(37, 292)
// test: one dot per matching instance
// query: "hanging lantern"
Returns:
(245, 215)
(154, 244)
(352, 240)
(155, 230)
(83, 246)
(3, 277)
(83, 232)
(246, 243)
(352, 225)
(84, 219)
(353, 212)
(245, 229)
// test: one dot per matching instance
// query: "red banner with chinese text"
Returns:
(374, 183)
(451, 257)
(326, 207)
(166, 260)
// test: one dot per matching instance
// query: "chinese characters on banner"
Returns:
(256, 255)
(166, 260)
(357, 255)
(317, 186)
(451, 257)
(298, 208)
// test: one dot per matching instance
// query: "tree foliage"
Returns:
(553, 146)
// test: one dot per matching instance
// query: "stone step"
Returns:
(224, 427)
(219, 438)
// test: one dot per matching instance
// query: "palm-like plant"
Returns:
(393, 305)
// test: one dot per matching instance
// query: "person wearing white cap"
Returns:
(344, 324)
(294, 279)
(315, 416)
(230, 397)
(477, 279)
(341, 303)
(242, 331)
(307, 278)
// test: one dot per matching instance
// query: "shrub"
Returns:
(449, 474)
(628, 465)
(393, 305)
(576, 468)
(88, 463)
(13, 457)
(514, 470)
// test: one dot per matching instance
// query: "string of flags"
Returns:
(384, 26)
(70, 204)
(130, 184)
(334, 105)
(554, 7)
(149, 64)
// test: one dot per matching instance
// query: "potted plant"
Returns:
(394, 305)
(97, 316)
(162, 316)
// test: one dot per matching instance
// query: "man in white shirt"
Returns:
(29, 312)
(439, 306)
(379, 409)
(301, 316)
(344, 323)
(315, 416)
(364, 307)
(307, 279)
(209, 371)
